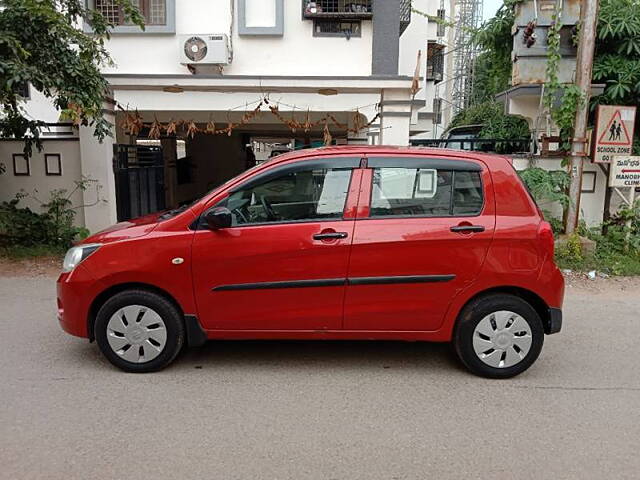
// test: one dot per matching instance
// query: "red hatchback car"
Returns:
(334, 243)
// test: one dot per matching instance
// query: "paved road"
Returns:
(300, 410)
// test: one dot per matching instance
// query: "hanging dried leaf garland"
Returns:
(335, 121)
(124, 124)
(156, 130)
(248, 116)
(132, 123)
(276, 112)
(307, 122)
(358, 124)
(172, 127)
(136, 123)
(326, 134)
(192, 129)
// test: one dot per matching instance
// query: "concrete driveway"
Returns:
(325, 410)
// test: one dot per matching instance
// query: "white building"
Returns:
(524, 98)
(350, 61)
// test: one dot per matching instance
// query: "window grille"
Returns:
(157, 12)
(337, 9)
(153, 11)
(334, 28)
(109, 10)
(441, 26)
(437, 111)
(435, 61)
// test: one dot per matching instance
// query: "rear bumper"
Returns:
(555, 321)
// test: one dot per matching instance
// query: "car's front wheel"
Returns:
(498, 336)
(139, 331)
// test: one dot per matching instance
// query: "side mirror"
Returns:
(219, 217)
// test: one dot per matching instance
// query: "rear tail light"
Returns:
(545, 235)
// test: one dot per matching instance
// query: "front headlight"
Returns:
(75, 255)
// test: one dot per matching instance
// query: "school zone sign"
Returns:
(614, 132)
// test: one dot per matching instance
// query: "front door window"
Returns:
(304, 195)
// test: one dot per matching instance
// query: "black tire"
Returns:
(478, 309)
(169, 314)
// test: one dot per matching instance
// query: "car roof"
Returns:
(364, 150)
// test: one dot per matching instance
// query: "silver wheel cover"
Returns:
(502, 339)
(136, 333)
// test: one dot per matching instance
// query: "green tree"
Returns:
(617, 59)
(495, 123)
(616, 62)
(42, 43)
(492, 69)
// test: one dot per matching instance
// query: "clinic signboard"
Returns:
(625, 172)
(614, 132)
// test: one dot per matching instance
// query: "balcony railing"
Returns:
(405, 15)
(493, 145)
(338, 9)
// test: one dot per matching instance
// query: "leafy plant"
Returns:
(42, 43)
(617, 60)
(54, 227)
(495, 123)
(17, 252)
(547, 186)
(570, 96)
(569, 254)
(21, 225)
(617, 246)
(556, 224)
(492, 69)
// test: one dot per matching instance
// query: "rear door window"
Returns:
(411, 191)
(467, 194)
(425, 192)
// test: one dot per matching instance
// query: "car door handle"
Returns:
(330, 235)
(467, 228)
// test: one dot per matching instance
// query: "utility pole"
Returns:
(584, 64)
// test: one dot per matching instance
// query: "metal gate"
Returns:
(139, 178)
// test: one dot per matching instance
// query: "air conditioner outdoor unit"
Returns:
(202, 49)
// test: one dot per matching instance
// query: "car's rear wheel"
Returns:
(139, 331)
(498, 336)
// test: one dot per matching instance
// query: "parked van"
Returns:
(338, 243)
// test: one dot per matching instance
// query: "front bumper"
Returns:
(555, 321)
(75, 291)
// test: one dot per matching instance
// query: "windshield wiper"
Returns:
(173, 213)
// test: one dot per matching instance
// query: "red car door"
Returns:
(282, 265)
(423, 232)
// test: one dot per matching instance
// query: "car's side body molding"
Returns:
(335, 282)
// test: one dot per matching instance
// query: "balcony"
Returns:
(337, 9)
